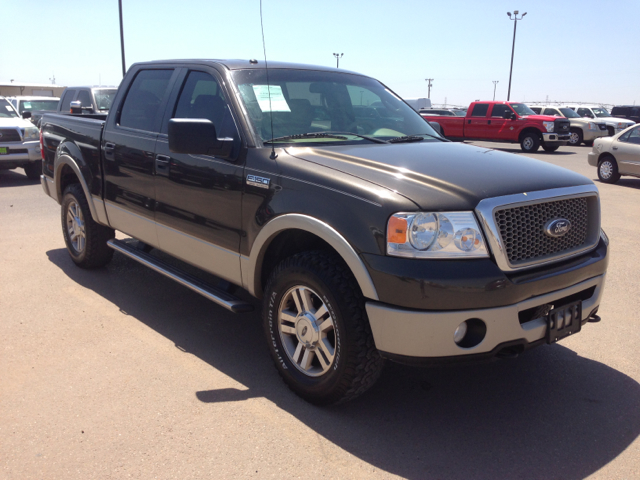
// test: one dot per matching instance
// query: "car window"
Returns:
(37, 105)
(536, 109)
(585, 112)
(632, 136)
(141, 106)
(567, 112)
(202, 97)
(104, 98)
(498, 110)
(85, 98)
(552, 111)
(480, 110)
(65, 103)
(6, 110)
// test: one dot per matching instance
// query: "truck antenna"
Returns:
(273, 155)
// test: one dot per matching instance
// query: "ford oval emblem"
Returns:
(558, 227)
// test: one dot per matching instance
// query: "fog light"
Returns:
(460, 332)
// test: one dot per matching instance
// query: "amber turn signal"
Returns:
(397, 230)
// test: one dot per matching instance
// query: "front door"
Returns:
(128, 146)
(199, 197)
(499, 127)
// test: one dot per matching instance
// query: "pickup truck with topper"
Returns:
(366, 237)
(509, 122)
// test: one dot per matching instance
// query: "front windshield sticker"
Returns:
(8, 108)
(27, 104)
(278, 102)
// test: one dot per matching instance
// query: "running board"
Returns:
(214, 294)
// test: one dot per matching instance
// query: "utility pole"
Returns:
(513, 46)
(495, 84)
(53, 79)
(429, 86)
(124, 69)
(338, 57)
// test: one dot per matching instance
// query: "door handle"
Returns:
(109, 149)
(163, 158)
(469, 122)
(488, 122)
(615, 148)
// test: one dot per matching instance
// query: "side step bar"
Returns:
(214, 294)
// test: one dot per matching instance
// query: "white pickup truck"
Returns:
(19, 142)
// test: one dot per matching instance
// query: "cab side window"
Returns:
(141, 107)
(202, 97)
(480, 110)
(498, 110)
(85, 98)
(65, 103)
(585, 112)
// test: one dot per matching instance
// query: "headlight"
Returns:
(31, 133)
(435, 235)
(622, 125)
(593, 126)
(548, 126)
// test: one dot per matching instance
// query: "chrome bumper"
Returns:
(555, 138)
(32, 154)
(429, 334)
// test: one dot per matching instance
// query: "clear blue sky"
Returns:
(568, 50)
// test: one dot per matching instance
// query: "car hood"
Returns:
(14, 122)
(442, 176)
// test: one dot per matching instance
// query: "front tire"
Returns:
(86, 240)
(530, 142)
(33, 170)
(608, 170)
(575, 137)
(317, 329)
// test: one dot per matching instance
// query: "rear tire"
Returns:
(86, 240)
(575, 137)
(317, 329)
(608, 170)
(33, 170)
(549, 149)
(530, 142)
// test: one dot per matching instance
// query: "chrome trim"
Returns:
(418, 333)
(231, 303)
(488, 206)
(252, 265)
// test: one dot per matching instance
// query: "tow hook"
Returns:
(594, 319)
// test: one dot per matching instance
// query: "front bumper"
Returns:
(592, 158)
(555, 139)
(423, 335)
(20, 153)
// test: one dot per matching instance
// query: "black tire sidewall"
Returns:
(71, 194)
(536, 142)
(615, 176)
(315, 389)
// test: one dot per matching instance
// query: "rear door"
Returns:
(128, 146)
(476, 125)
(627, 152)
(199, 197)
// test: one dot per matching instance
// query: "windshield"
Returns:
(104, 98)
(521, 109)
(460, 113)
(356, 109)
(6, 110)
(600, 112)
(36, 105)
(567, 112)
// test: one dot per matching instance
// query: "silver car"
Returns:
(617, 155)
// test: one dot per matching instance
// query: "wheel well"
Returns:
(606, 155)
(67, 177)
(529, 130)
(287, 244)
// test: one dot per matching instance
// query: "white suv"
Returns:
(614, 125)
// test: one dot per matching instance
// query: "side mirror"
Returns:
(197, 136)
(509, 115)
(26, 115)
(76, 106)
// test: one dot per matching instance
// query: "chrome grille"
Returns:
(561, 125)
(9, 135)
(602, 126)
(522, 229)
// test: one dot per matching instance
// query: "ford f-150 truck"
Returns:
(366, 237)
(509, 122)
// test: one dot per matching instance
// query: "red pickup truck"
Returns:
(508, 122)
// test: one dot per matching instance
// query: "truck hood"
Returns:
(613, 121)
(541, 118)
(442, 176)
(14, 122)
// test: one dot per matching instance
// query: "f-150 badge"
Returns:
(260, 182)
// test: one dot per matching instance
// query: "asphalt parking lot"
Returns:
(122, 373)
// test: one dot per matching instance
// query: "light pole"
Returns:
(429, 86)
(513, 47)
(124, 69)
(338, 57)
(495, 84)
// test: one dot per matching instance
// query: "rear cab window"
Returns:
(480, 110)
(141, 106)
(65, 101)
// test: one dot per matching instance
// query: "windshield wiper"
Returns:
(307, 135)
(371, 139)
(406, 138)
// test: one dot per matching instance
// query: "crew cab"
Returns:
(19, 142)
(366, 237)
(582, 129)
(32, 108)
(509, 122)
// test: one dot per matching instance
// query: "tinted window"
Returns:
(65, 103)
(6, 110)
(585, 112)
(84, 98)
(567, 112)
(536, 109)
(552, 111)
(498, 110)
(632, 136)
(480, 110)
(140, 108)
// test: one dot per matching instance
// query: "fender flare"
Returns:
(252, 265)
(60, 162)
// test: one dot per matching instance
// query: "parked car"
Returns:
(19, 142)
(630, 112)
(599, 113)
(32, 108)
(582, 130)
(509, 122)
(617, 155)
(418, 103)
(365, 240)
(92, 99)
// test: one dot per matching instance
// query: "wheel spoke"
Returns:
(287, 330)
(325, 354)
(307, 358)
(80, 243)
(321, 312)
(287, 316)
(296, 298)
(307, 303)
(296, 354)
(326, 325)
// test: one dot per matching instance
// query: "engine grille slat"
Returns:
(9, 135)
(522, 229)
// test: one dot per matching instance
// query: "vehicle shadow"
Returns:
(628, 182)
(547, 414)
(13, 178)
